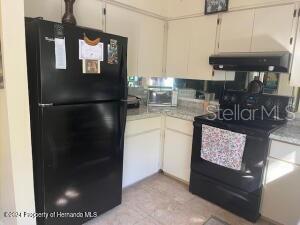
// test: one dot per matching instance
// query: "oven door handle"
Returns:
(255, 138)
(229, 127)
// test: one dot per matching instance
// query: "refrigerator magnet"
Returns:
(112, 52)
(91, 66)
(90, 52)
(60, 54)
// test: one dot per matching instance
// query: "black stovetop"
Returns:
(263, 125)
(243, 110)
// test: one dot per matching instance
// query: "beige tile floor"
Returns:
(160, 200)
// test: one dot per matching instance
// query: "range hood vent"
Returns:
(254, 61)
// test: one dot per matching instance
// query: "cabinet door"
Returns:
(151, 47)
(177, 49)
(202, 45)
(48, 9)
(141, 157)
(273, 33)
(89, 14)
(177, 154)
(295, 72)
(281, 197)
(125, 23)
(236, 31)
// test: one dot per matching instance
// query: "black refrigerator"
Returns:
(77, 124)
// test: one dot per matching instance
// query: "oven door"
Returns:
(250, 177)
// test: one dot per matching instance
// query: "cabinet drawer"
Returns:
(286, 152)
(144, 125)
(180, 125)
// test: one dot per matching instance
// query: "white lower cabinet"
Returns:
(177, 155)
(146, 152)
(142, 150)
(178, 148)
(281, 195)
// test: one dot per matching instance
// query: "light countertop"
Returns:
(178, 112)
(289, 133)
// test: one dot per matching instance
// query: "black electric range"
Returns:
(256, 115)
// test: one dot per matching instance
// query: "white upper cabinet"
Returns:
(295, 72)
(89, 13)
(258, 30)
(151, 47)
(202, 45)
(145, 39)
(190, 43)
(236, 31)
(273, 28)
(125, 23)
(178, 47)
(48, 9)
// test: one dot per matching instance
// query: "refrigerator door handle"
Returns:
(123, 116)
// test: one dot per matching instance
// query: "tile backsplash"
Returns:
(207, 89)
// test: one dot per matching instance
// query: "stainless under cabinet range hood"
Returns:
(254, 61)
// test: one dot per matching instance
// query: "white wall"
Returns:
(53, 9)
(49, 9)
(87, 13)
(16, 178)
(179, 8)
(7, 199)
(154, 6)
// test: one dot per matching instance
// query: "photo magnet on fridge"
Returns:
(112, 52)
(91, 66)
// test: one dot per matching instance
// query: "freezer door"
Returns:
(71, 85)
(82, 150)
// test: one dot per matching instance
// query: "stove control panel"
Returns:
(269, 104)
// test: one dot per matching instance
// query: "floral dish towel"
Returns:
(222, 147)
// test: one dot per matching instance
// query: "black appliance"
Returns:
(133, 102)
(256, 115)
(254, 61)
(77, 124)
